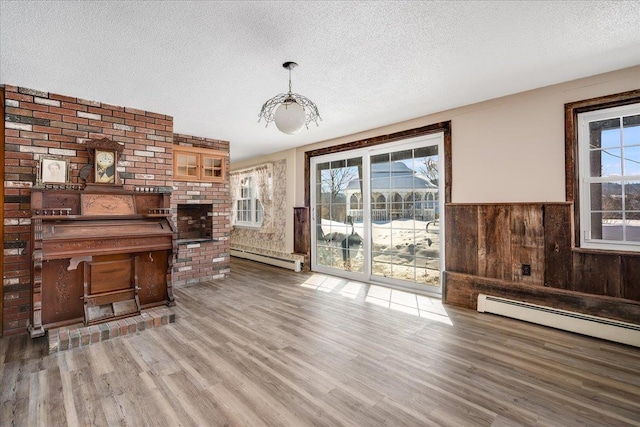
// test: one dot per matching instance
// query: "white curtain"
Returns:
(264, 188)
(235, 195)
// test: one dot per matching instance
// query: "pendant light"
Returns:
(290, 111)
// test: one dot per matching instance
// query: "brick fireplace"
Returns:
(194, 222)
(38, 123)
(203, 216)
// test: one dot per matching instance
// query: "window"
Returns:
(198, 164)
(609, 178)
(249, 211)
(381, 202)
(252, 197)
(430, 203)
(355, 202)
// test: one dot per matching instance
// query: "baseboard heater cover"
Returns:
(292, 264)
(599, 327)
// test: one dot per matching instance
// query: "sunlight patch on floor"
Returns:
(321, 282)
(407, 302)
(393, 299)
(351, 289)
(329, 284)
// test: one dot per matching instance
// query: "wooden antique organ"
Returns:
(98, 254)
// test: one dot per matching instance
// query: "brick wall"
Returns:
(40, 123)
(206, 260)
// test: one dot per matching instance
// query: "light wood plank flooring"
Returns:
(272, 347)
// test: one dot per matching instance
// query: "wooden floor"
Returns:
(272, 347)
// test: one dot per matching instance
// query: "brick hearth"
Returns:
(68, 337)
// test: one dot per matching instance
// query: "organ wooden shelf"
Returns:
(99, 255)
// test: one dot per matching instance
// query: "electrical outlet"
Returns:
(526, 269)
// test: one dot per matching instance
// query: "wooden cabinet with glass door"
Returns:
(198, 164)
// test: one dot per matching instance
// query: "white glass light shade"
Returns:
(289, 117)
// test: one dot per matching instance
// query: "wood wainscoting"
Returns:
(302, 234)
(488, 244)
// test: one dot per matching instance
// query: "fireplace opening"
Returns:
(195, 222)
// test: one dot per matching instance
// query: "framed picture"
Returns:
(54, 170)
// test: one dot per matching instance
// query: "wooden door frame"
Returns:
(444, 127)
(441, 127)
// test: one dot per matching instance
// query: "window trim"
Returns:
(254, 202)
(572, 165)
(200, 154)
(584, 139)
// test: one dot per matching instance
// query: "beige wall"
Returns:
(509, 149)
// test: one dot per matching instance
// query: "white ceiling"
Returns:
(211, 65)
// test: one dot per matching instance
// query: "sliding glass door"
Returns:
(377, 213)
(405, 223)
(339, 235)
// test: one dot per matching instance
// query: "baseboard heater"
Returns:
(293, 264)
(608, 329)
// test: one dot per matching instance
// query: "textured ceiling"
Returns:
(211, 65)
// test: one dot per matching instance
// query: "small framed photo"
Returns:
(54, 170)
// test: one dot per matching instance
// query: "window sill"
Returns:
(602, 251)
(248, 226)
